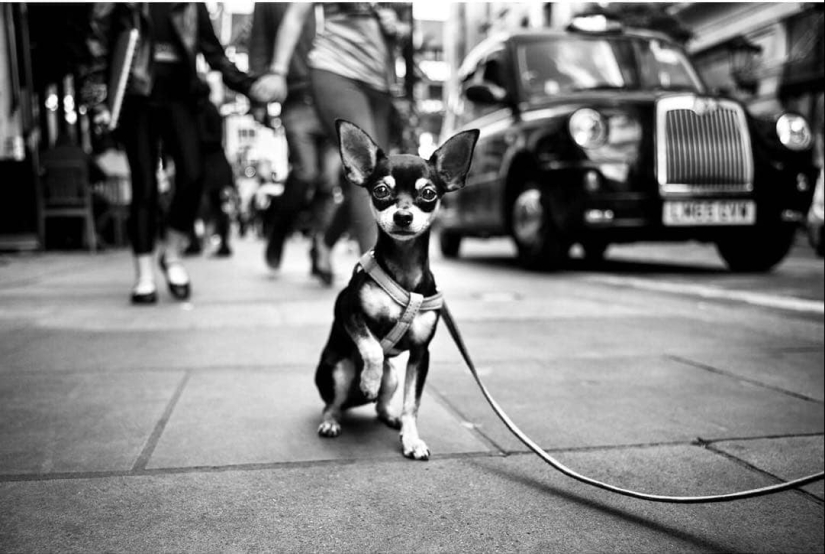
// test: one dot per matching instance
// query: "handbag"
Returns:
(123, 55)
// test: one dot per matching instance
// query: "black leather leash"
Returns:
(454, 332)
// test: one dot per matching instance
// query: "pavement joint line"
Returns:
(261, 466)
(747, 465)
(154, 438)
(462, 418)
(789, 303)
(800, 349)
(389, 458)
(729, 374)
(698, 441)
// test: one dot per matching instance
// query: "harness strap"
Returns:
(403, 323)
(412, 302)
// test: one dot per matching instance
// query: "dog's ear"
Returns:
(452, 159)
(358, 152)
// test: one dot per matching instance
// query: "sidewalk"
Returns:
(191, 427)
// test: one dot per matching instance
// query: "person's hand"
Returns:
(269, 88)
(101, 119)
(390, 24)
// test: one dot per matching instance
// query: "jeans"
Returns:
(338, 97)
(315, 162)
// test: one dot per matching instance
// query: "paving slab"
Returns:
(596, 337)
(476, 504)
(69, 350)
(79, 422)
(796, 371)
(573, 403)
(232, 417)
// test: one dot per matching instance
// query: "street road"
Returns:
(690, 269)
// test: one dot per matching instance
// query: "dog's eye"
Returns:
(429, 194)
(381, 192)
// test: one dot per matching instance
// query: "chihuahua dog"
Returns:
(391, 304)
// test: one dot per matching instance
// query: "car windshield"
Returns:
(570, 64)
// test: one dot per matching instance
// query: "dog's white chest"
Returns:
(378, 305)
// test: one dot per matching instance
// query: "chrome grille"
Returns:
(703, 146)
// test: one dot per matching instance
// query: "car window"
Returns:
(490, 71)
(565, 65)
(663, 66)
(570, 64)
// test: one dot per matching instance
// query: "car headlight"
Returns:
(793, 131)
(588, 128)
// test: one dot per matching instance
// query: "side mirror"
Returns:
(486, 93)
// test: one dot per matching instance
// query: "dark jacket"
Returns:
(194, 32)
(265, 22)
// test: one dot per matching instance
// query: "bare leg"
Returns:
(144, 274)
(175, 243)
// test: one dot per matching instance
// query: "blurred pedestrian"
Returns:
(218, 177)
(159, 108)
(313, 154)
(352, 70)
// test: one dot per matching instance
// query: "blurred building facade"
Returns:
(766, 53)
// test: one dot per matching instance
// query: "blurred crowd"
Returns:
(151, 109)
(159, 132)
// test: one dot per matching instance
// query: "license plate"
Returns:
(709, 212)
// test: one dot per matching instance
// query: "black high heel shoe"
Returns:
(144, 297)
(181, 291)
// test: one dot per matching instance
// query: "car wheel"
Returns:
(450, 243)
(594, 251)
(757, 250)
(540, 245)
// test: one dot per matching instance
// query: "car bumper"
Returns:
(618, 212)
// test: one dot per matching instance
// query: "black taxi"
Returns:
(598, 135)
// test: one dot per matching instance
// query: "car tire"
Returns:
(449, 243)
(538, 240)
(758, 250)
(594, 251)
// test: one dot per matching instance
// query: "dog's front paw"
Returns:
(370, 384)
(329, 429)
(415, 449)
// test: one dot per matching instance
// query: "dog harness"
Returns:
(412, 302)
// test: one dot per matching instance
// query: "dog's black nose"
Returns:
(402, 218)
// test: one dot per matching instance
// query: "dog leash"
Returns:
(457, 338)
